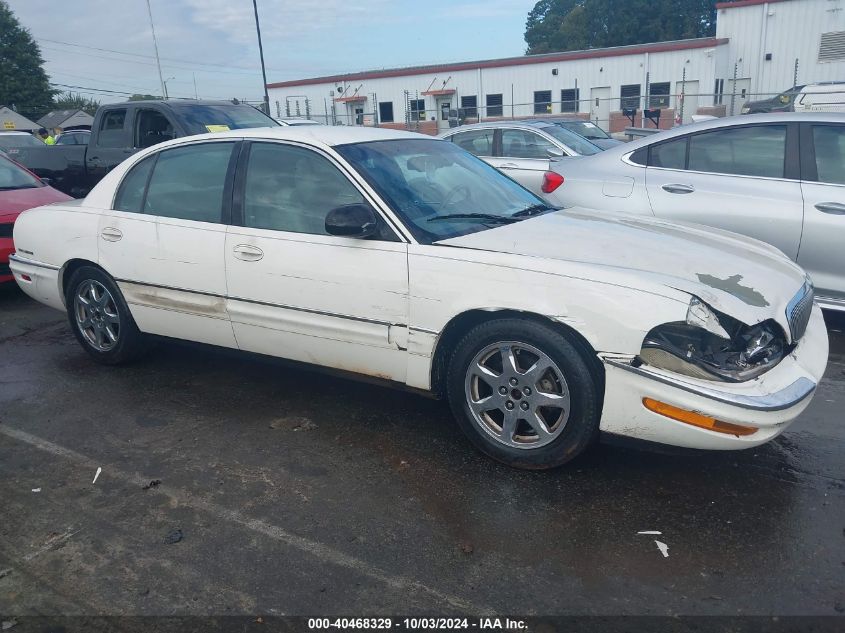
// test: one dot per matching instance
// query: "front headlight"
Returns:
(745, 110)
(713, 346)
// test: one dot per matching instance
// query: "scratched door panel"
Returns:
(332, 301)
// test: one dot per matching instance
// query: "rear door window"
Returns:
(112, 131)
(670, 155)
(130, 195)
(757, 150)
(188, 182)
(524, 144)
(829, 144)
(478, 142)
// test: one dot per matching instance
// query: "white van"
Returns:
(821, 97)
(828, 96)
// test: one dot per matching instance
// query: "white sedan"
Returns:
(404, 257)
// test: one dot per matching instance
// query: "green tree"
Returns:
(565, 25)
(71, 101)
(23, 82)
(140, 97)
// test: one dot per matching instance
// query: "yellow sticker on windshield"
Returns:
(217, 128)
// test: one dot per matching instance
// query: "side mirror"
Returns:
(46, 181)
(352, 220)
(555, 152)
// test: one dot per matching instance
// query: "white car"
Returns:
(292, 120)
(742, 174)
(404, 257)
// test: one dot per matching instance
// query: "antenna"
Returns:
(155, 45)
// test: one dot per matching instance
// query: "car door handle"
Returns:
(111, 234)
(677, 188)
(248, 253)
(508, 166)
(836, 208)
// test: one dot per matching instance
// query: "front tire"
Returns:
(524, 393)
(100, 318)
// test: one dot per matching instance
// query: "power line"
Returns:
(148, 63)
(102, 81)
(88, 90)
(170, 59)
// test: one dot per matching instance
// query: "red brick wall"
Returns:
(716, 110)
(425, 127)
(618, 121)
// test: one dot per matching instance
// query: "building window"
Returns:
(543, 102)
(470, 107)
(569, 100)
(494, 105)
(630, 97)
(832, 46)
(718, 91)
(417, 109)
(385, 112)
(658, 95)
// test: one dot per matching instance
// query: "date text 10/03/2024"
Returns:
(418, 624)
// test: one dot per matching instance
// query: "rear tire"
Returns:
(100, 318)
(524, 393)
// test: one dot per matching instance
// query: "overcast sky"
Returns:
(107, 44)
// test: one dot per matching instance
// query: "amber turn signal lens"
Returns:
(696, 419)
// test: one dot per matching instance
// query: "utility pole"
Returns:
(155, 44)
(260, 52)
(196, 97)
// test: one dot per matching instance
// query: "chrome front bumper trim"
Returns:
(784, 399)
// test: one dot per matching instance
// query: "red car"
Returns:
(19, 190)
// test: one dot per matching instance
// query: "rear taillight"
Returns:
(551, 181)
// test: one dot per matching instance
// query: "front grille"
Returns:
(799, 310)
(6, 230)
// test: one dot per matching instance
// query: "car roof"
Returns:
(728, 121)
(515, 123)
(326, 135)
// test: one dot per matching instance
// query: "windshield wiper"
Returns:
(534, 209)
(485, 217)
(16, 187)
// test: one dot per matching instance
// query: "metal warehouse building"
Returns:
(761, 48)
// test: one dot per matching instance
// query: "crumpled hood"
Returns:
(739, 276)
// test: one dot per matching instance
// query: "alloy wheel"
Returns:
(97, 316)
(517, 394)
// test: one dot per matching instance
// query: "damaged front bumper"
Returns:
(766, 405)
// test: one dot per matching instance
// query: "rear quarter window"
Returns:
(130, 194)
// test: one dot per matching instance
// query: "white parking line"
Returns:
(314, 548)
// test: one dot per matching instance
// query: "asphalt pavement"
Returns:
(237, 484)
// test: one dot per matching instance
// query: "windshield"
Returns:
(14, 177)
(438, 189)
(199, 119)
(572, 140)
(13, 141)
(585, 129)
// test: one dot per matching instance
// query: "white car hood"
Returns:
(739, 276)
